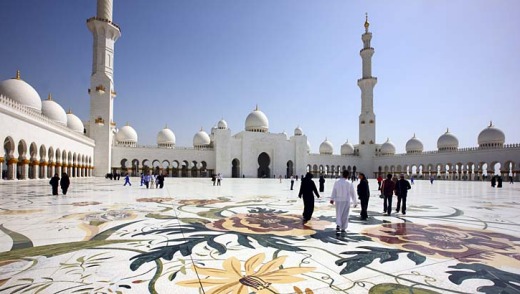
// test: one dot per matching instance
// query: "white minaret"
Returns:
(367, 117)
(101, 91)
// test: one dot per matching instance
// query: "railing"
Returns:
(38, 116)
(465, 149)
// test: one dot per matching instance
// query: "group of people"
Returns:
(344, 195)
(64, 183)
(216, 179)
(151, 181)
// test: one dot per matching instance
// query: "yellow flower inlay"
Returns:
(231, 279)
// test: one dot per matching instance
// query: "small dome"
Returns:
(491, 137)
(222, 124)
(326, 147)
(388, 148)
(414, 145)
(127, 136)
(256, 121)
(347, 148)
(298, 131)
(166, 138)
(21, 92)
(54, 111)
(201, 139)
(74, 123)
(447, 142)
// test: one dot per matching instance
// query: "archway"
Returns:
(263, 165)
(235, 168)
(290, 169)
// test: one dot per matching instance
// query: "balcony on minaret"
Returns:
(100, 89)
(99, 121)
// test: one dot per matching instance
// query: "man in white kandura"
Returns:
(343, 194)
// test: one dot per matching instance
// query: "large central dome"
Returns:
(256, 121)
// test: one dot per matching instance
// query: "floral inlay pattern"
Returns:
(255, 277)
(268, 223)
(442, 241)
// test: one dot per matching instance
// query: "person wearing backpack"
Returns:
(388, 188)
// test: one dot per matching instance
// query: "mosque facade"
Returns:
(41, 139)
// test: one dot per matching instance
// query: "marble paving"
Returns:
(247, 236)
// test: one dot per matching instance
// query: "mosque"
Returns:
(41, 138)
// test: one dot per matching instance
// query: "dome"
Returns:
(326, 147)
(347, 148)
(388, 148)
(298, 131)
(222, 124)
(491, 137)
(256, 121)
(447, 142)
(414, 145)
(166, 138)
(201, 139)
(127, 136)
(54, 111)
(74, 123)
(21, 92)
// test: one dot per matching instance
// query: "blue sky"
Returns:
(188, 64)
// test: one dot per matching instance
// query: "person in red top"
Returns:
(379, 180)
(387, 189)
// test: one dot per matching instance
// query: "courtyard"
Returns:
(247, 236)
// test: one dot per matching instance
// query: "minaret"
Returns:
(101, 91)
(367, 118)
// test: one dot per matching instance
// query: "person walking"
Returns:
(160, 181)
(343, 195)
(307, 188)
(127, 180)
(64, 183)
(388, 188)
(379, 180)
(142, 179)
(147, 181)
(214, 179)
(363, 192)
(401, 190)
(292, 182)
(152, 181)
(219, 179)
(322, 183)
(55, 182)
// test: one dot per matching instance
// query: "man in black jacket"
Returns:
(401, 189)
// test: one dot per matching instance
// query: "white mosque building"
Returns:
(41, 139)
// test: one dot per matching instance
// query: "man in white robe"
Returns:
(343, 195)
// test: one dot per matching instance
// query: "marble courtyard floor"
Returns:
(247, 236)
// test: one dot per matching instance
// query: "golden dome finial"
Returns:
(490, 123)
(70, 111)
(18, 75)
(49, 97)
(367, 24)
(256, 109)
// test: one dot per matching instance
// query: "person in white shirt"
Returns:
(343, 195)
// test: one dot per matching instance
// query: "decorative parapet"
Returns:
(10, 103)
(103, 20)
(459, 150)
